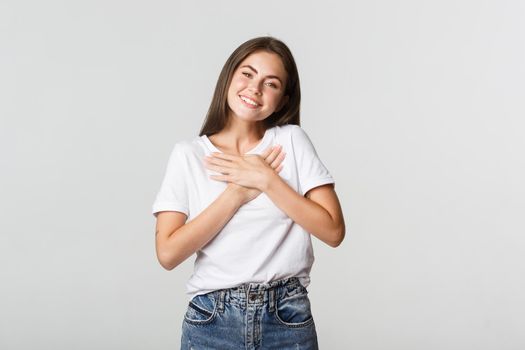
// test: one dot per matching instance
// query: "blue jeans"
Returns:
(273, 315)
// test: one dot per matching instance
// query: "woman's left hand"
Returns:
(250, 170)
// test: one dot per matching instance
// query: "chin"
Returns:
(248, 117)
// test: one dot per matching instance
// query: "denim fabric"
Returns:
(256, 316)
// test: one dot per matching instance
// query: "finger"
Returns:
(218, 161)
(274, 161)
(225, 156)
(220, 177)
(279, 168)
(267, 152)
(277, 161)
(273, 154)
(218, 169)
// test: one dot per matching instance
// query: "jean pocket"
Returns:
(202, 309)
(294, 310)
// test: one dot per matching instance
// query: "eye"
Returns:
(247, 74)
(272, 85)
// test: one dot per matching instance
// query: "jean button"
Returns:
(253, 297)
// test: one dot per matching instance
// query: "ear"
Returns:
(284, 100)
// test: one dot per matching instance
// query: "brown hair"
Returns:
(217, 116)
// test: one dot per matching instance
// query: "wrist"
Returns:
(233, 193)
(270, 180)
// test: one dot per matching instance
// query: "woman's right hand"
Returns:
(273, 156)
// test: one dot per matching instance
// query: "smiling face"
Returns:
(257, 86)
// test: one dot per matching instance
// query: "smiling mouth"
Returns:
(249, 102)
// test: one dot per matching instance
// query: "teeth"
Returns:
(249, 101)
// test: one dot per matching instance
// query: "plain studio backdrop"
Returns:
(415, 107)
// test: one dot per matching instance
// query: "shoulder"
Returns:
(184, 148)
(287, 127)
(180, 153)
(297, 135)
(292, 130)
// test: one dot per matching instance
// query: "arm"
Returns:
(175, 241)
(319, 212)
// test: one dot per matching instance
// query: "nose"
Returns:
(254, 87)
(255, 91)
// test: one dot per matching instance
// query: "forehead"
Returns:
(266, 63)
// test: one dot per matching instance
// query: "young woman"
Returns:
(245, 196)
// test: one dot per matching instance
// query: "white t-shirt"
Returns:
(260, 243)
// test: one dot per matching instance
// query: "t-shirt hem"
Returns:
(169, 207)
(315, 183)
(304, 280)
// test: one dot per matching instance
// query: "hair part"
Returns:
(217, 116)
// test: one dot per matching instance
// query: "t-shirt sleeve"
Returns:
(173, 193)
(311, 170)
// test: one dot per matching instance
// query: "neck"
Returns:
(239, 136)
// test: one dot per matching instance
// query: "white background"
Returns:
(415, 107)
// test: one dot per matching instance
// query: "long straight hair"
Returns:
(217, 116)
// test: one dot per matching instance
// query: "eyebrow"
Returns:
(268, 76)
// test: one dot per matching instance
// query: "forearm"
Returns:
(195, 234)
(306, 213)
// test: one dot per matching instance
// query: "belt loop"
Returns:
(220, 306)
(272, 300)
(247, 293)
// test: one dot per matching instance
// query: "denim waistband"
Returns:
(259, 293)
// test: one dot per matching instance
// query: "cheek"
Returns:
(232, 95)
(232, 90)
(236, 82)
(274, 98)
